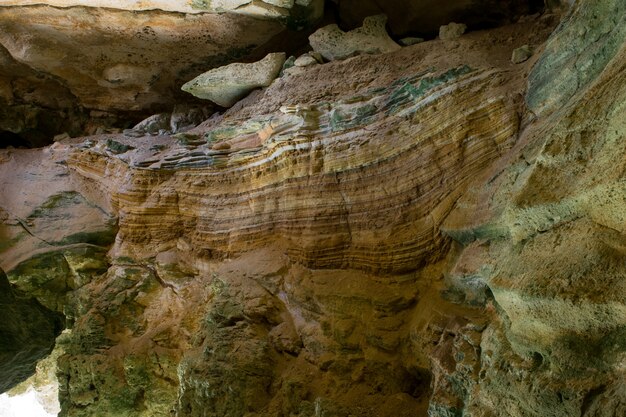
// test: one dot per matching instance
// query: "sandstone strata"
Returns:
(425, 231)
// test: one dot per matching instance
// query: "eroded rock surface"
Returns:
(389, 235)
(371, 38)
(27, 334)
(66, 64)
(227, 85)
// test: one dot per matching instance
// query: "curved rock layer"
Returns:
(266, 185)
(389, 235)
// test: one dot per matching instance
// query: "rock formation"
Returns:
(67, 64)
(371, 38)
(434, 230)
(229, 84)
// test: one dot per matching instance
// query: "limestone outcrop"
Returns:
(67, 65)
(227, 85)
(428, 231)
(371, 38)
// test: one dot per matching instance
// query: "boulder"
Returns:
(452, 31)
(410, 41)
(305, 61)
(228, 84)
(521, 54)
(371, 38)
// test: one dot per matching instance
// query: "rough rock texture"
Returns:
(229, 84)
(371, 38)
(261, 8)
(121, 60)
(27, 334)
(521, 54)
(580, 49)
(452, 31)
(62, 68)
(387, 235)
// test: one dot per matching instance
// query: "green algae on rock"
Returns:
(576, 53)
(27, 334)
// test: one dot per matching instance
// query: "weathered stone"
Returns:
(452, 31)
(577, 53)
(305, 60)
(371, 38)
(28, 332)
(397, 227)
(410, 41)
(227, 85)
(153, 124)
(521, 54)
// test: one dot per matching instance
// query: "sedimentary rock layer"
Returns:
(389, 235)
(264, 184)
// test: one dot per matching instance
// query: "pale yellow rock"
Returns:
(120, 60)
(521, 54)
(227, 85)
(305, 61)
(371, 38)
(452, 31)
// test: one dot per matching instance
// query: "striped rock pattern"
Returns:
(363, 182)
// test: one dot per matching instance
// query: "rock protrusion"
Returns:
(452, 31)
(410, 41)
(228, 84)
(305, 60)
(521, 54)
(371, 38)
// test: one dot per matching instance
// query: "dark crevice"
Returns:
(27, 334)
(423, 18)
(10, 139)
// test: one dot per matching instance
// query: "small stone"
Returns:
(285, 4)
(410, 41)
(371, 38)
(521, 54)
(228, 84)
(153, 124)
(117, 148)
(305, 61)
(452, 31)
(132, 133)
(62, 136)
(289, 63)
(294, 70)
(318, 57)
(221, 146)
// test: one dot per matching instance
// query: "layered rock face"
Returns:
(431, 231)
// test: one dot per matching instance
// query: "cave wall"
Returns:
(433, 231)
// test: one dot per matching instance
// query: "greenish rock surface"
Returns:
(452, 31)
(576, 53)
(229, 84)
(27, 334)
(521, 54)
